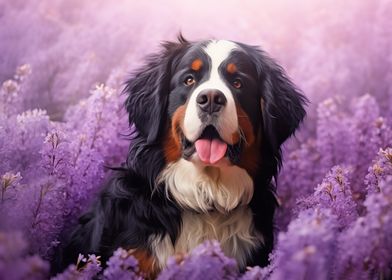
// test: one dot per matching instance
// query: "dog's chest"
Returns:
(234, 231)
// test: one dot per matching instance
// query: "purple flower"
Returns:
(381, 168)
(206, 261)
(11, 91)
(256, 273)
(306, 250)
(95, 142)
(9, 181)
(85, 269)
(297, 180)
(336, 141)
(370, 133)
(15, 263)
(121, 266)
(365, 247)
(334, 193)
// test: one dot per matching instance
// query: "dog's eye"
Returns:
(237, 83)
(189, 80)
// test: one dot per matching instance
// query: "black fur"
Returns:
(126, 215)
(131, 207)
(282, 107)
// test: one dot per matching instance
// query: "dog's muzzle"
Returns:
(210, 148)
(210, 101)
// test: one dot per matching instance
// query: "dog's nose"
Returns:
(211, 100)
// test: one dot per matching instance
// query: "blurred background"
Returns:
(329, 47)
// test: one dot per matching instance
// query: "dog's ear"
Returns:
(282, 103)
(148, 91)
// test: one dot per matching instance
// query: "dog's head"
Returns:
(216, 104)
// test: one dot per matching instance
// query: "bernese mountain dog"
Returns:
(209, 119)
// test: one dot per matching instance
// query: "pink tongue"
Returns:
(210, 151)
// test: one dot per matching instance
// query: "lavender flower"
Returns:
(306, 250)
(11, 90)
(297, 180)
(256, 273)
(369, 129)
(22, 138)
(70, 273)
(206, 261)
(336, 141)
(47, 219)
(95, 142)
(9, 181)
(379, 170)
(121, 266)
(56, 154)
(334, 193)
(85, 269)
(15, 264)
(365, 247)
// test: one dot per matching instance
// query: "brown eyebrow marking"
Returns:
(197, 64)
(231, 68)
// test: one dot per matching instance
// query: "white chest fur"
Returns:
(202, 188)
(235, 232)
(225, 190)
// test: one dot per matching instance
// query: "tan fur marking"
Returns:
(250, 155)
(245, 128)
(197, 64)
(231, 68)
(147, 263)
(172, 142)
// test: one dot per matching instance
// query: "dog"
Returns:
(209, 120)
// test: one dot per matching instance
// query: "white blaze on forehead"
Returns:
(218, 52)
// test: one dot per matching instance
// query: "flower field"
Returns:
(62, 123)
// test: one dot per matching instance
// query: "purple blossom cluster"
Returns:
(206, 261)
(51, 170)
(62, 123)
(366, 245)
(16, 263)
(84, 269)
(122, 266)
(349, 138)
(306, 249)
(334, 193)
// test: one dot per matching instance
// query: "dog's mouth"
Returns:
(210, 148)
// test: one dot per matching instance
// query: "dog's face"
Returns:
(214, 105)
